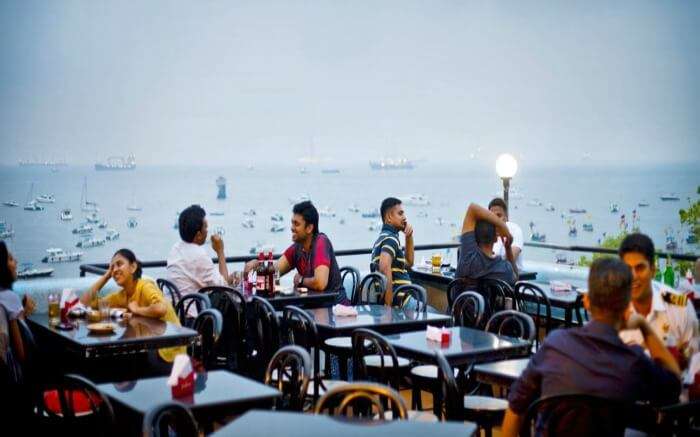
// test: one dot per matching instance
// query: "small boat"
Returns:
(28, 271)
(330, 171)
(422, 214)
(534, 202)
(415, 200)
(439, 221)
(671, 243)
(250, 212)
(248, 223)
(276, 228)
(342, 221)
(216, 213)
(85, 204)
(643, 204)
(11, 203)
(572, 229)
(326, 212)
(277, 218)
(6, 231)
(691, 239)
(66, 215)
(375, 226)
(301, 198)
(92, 218)
(46, 198)
(614, 208)
(303, 170)
(371, 214)
(57, 255)
(133, 207)
(33, 206)
(112, 235)
(102, 224)
(354, 208)
(132, 223)
(83, 228)
(91, 242)
(254, 250)
(588, 227)
(550, 207)
(536, 235)
(220, 231)
(561, 258)
(577, 211)
(669, 197)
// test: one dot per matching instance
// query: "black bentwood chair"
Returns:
(468, 310)
(168, 419)
(371, 289)
(404, 294)
(352, 276)
(457, 287)
(200, 302)
(265, 333)
(209, 324)
(231, 348)
(170, 290)
(535, 303)
(293, 363)
(363, 400)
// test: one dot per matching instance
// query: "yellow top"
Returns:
(147, 293)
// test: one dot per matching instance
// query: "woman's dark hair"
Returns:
(6, 278)
(638, 243)
(308, 212)
(131, 257)
(190, 222)
(387, 204)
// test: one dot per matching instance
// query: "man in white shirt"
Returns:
(189, 265)
(498, 206)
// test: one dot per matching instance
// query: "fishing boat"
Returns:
(671, 243)
(6, 231)
(66, 215)
(132, 222)
(614, 208)
(354, 208)
(115, 163)
(216, 213)
(330, 171)
(276, 228)
(57, 255)
(643, 204)
(371, 214)
(250, 213)
(669, 197)
(375, 226)
(112, 235)
(91, 242)
(534, 202)
(92, 218)
(277, 218)
(550, 207)
(572, 229)
(588, 227)
(342, 221)
(31, 204)
(561, 258)
(577, 211)
(326, 212)
(85, 204)
(11, 203)
(102, 224)
(28, 271)
(392, 164)
(422, 214)
(133, 207)
(535, 235)
(415, 200)
(83, 228)
(691, 239)
(46, 198)
(248, 223)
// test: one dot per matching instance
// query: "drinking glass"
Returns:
(54, 310)
(236, 278)
(103, 307)
(436, 262)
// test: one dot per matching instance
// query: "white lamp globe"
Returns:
(506, 165)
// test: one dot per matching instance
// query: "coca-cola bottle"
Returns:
(270, 278)
(260, 271)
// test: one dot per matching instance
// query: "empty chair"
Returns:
(535, 303)
(231, 349)
(289, 371)
(265, 332)
(363, 400)
(405, 294)
(468, 310)
(374, 357)
(209, 324)
(512, 324)
(74, 405)
(196, 301)
(170, 290)
(350, 278)
(371, 289)
(171, 418)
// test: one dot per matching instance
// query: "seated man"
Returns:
(311, 254)
(387, 255)
(592, 359)
(476, 257)
(498, 206)
(189, 265)
(670, 314)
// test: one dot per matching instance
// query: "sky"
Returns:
(210, 82)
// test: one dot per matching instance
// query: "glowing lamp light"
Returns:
(506, 166)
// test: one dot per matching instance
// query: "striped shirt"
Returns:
(388, 242)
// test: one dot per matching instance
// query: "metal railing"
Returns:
(100, 268)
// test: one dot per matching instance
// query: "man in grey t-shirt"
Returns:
(476, 258)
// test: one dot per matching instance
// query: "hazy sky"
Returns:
(179, 82)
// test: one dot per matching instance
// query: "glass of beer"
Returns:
(436, 261)
(54, 310)
(103, 307)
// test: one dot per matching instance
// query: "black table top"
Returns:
(137, 334)
(501, 372)
(309, 299)
(447, 275)
(216, 389)
(562, 299)
(269, 423)
(380, 318)
(466, 345)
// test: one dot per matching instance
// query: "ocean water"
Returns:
(164, 191)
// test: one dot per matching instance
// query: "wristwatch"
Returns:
(301, 282)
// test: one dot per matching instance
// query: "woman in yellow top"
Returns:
(139, 296)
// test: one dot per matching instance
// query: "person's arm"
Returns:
(283, 266)
(657, 350)
(90, 295)
(17, 343)
(408, 232)
(319, 281)
(476, 213)
(385, 260)
(511, 424)
(154, 310)
(510, 255)
(217, 243)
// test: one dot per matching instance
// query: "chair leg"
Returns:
(416, 401)
(343, 367)
(437, 401)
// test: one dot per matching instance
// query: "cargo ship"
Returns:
(117, 163)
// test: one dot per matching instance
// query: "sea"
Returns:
(162, 192)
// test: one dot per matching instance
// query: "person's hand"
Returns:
(133, 307)
(297, 278)
(29, 305)
(408, 230)
(504, 232)
(217, 244)
(250, 266)
(110, 270)
(634, 321)
(507, 242)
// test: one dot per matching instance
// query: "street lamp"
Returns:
(506, 167)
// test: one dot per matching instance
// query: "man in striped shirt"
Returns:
(388, 257)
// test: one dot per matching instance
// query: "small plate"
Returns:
(101, 328)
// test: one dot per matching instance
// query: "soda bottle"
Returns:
(270, 274)
(669, 275)
(659, 275)
(260, 272)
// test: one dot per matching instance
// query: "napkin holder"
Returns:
(181, 380)
(440, 335)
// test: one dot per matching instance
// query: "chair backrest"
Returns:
(451, 394)
(371, 289)
(231, 349)
(457, 286)
(198, 301)
(404, 294)
(265, 332)
(170, 290)
(75, 405)
(577, 415)
(512, 324)
(536, 303)
(170, 418)
(498, 295)
(362, 400)
(289, 371)
(300, 329)
(352, 276)
(209, 324)
(368, 342)
(468, 310)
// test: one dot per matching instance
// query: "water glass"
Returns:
(54, 309)
(103, 307)
(236, 278)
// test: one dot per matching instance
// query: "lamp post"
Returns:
(506, 167)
